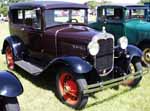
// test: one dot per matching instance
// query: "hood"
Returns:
(138, 24)
(137, 30)
(72, 32)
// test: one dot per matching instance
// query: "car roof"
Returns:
(129, 6)
(47, 5)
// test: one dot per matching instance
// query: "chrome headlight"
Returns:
(93, 48)
(123, 42)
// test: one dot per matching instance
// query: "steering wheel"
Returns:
(71, 20)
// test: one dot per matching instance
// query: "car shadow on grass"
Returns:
(47, 81)
(110, 97)
(44, 81)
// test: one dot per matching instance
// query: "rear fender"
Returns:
(10, 86)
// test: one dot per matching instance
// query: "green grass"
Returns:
(39, 96)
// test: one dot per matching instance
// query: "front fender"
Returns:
(134, 51)
(76, 64)
(10, 86)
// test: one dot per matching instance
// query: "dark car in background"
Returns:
(126, 20)
(10, 88)
(48, 35)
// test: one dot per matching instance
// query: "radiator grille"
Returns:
(104, 59)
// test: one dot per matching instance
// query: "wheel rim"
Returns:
(9, 58)
(146, 55)
(68, 88)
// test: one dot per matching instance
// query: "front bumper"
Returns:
(111, 83)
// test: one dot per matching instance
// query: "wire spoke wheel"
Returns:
(70, 89)
(9, 58)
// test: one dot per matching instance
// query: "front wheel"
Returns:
(134, 66)
(9, 104)
(70, 89)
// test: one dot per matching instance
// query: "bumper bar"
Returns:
(111, 83)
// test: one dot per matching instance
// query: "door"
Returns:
(33, 32)
(16, 24)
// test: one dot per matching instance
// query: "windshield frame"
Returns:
(141, 17)
(85, 17)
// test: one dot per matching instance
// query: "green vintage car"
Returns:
(126, 20)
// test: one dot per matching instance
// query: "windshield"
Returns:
(62, 16)
(110, 14)
(135, 13)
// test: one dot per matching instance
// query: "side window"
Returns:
(32, 18)
(17, 16)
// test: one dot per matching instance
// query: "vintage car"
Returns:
(10, 88)
(54, 36)
(126, 20)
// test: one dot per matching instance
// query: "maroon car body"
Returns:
(54, 35)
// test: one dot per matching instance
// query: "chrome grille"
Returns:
(104, 59)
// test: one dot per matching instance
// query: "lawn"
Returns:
(39, 92)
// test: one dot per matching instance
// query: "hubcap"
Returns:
(68, 88)
(146, 55)
(9, 58)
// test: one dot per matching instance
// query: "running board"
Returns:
(29, 67)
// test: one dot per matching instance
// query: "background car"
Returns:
(10, 88)
(126, 20)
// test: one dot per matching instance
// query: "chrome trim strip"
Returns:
(56, 35)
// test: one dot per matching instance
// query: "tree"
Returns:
(5, 3)
(144, 1)
(93, 4)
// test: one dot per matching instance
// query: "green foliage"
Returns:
(3, 10)
(5, 3)
(143, 1)
(93, 4)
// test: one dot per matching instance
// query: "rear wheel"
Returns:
(70, 89)
(135, 66)
(9, 104)
(10, 58)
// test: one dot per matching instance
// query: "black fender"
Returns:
(10, 86)
(16, 44)
(134, 51)
(76, 64)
